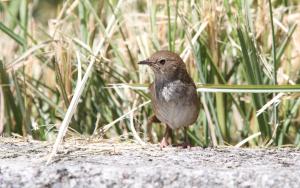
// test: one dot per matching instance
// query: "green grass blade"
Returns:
(60, 83)
(284, 44)
(171, 48)
(13, 35)
(275, 117)
(226, 88)
(253, 75)
(8, 97)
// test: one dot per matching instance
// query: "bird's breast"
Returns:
(177, 104)
(170, 91)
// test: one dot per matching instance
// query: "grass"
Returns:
(62, 60)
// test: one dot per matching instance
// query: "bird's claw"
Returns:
(164, 143)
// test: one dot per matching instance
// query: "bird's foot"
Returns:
(186, 145)
(164, 143)
(183, 145)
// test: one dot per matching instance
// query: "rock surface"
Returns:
(90, 164)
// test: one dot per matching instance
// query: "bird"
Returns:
(173, 94)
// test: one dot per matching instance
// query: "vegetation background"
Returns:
(47, 47)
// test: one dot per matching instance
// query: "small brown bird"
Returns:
(173, 94)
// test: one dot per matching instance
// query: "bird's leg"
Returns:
(152, 119)
(186, 143)
(164, 143)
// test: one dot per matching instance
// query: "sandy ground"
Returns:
(86, 164)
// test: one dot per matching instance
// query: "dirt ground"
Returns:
(94, 164)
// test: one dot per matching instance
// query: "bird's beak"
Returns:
(145, 62)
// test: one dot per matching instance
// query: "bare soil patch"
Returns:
(86, 164)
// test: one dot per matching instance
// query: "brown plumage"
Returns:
(173, 93)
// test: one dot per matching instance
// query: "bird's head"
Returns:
(165, 64)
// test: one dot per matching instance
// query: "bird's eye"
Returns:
(162, 61)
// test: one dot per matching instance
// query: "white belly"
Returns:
(177, 106)
(176, 115)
